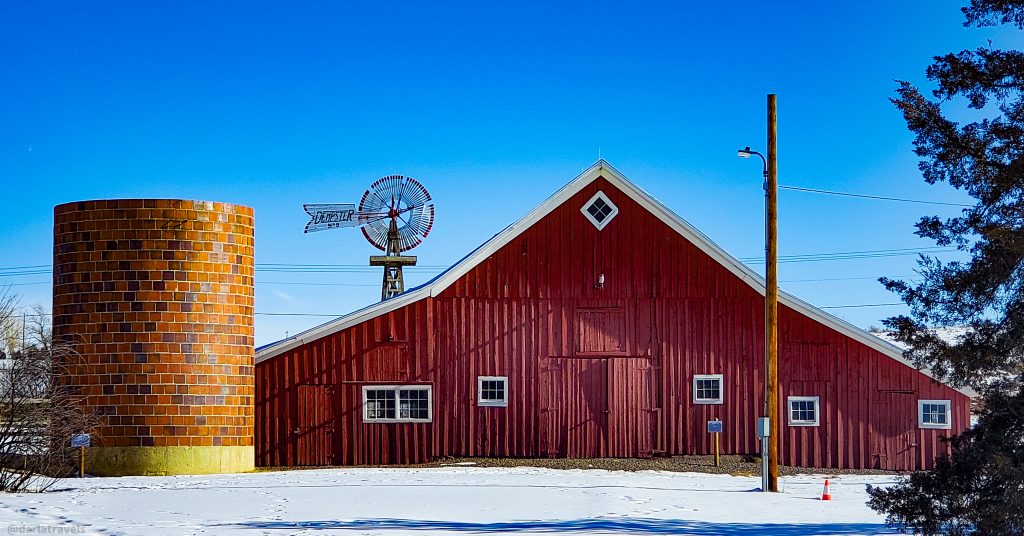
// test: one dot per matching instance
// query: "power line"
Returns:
(866, 196)
(23, 267)
(314, 284)
(298, 315)
(305, 264)
(368, 269)
(257, 284)
(848, 255)
(853, 305)
(318, 284)
(274, 267)
(873, 277)
(861, 305)
(24, 272)
(35, 267)
(262, 313)
(16, 271)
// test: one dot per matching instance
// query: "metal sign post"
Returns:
(81, 441)
(715, 428)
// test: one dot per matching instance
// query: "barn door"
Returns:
(576, 408)
(895, 441)
(597, 407)
(315, 442)
(631, 405)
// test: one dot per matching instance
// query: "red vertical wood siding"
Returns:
(600, 371)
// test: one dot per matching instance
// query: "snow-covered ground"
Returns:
(450, 500)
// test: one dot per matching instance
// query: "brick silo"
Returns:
(157, 296)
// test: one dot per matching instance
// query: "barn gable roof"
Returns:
(601, 168)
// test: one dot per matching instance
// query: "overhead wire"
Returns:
(821, 279)
(312, 284)
(854, 306)
(42, 269)
(849, 255)
(848, 306)
(868, 196)
(345, 284)
(281, 268)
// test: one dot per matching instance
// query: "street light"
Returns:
(764, 424)
(770, 459)
(746, 152)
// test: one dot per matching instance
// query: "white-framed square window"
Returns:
(707, 388)
(397, 403)
(803, 410)
(934, 414)
(492, 391)
(599, 210)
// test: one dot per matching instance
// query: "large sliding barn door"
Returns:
(315, 441)
(632, 402)
(597, 407)
(574, 406)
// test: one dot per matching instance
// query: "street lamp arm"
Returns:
(746, 152)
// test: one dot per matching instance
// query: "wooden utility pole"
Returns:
(771, 299)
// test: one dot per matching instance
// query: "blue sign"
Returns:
(714, 427)
(80, 440)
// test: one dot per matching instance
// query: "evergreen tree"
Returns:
(979, 488)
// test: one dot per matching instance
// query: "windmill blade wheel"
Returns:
(396, 213)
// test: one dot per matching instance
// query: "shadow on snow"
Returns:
(598, 525)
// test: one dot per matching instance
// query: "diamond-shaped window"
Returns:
(599, 210)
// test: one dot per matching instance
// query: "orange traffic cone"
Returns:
(826, 495)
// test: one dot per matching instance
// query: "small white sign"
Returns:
(325, 216)
(80, 440)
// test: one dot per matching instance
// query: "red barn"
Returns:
(599, 325)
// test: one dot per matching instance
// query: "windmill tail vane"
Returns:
(326, 216)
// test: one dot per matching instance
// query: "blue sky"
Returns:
(493, 107)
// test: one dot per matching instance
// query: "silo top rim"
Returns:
(150, 203)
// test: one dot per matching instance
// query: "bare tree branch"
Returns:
(39, 411)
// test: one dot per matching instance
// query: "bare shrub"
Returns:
(39, 411)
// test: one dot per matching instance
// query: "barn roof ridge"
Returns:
(601, 168)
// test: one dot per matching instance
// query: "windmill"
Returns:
(395, 215)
